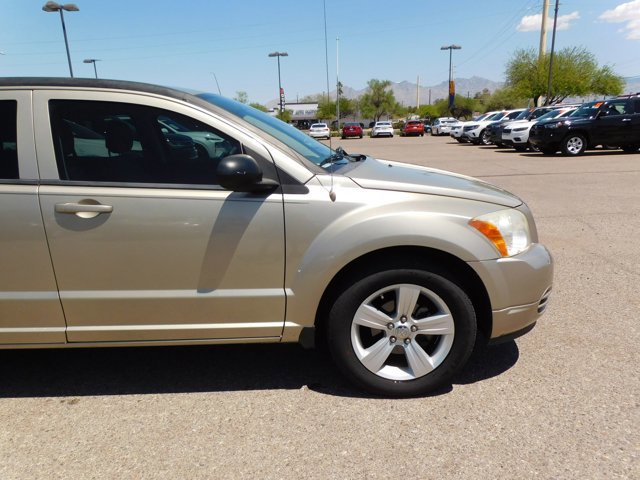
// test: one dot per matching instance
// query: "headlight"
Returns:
(554, 125)
(507, 230)
(520, 129)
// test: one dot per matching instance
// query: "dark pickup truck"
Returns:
(614, 123)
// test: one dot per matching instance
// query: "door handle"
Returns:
(626, 119)
(79, 208)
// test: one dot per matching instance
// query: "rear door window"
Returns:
(8, 140)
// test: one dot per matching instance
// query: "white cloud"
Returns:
(532, 23)
(627, 13)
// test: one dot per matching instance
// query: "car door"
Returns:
(146, 246)
(30, 310)
(613, 124)
(635, 123)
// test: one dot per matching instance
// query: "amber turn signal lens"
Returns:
(490, 231)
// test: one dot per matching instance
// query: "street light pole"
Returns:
(56, 7)
(280, 91)
(452, 90)
(92, 60)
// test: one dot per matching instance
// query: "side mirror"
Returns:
(241, 173)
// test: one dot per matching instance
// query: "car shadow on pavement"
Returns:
(127, 371)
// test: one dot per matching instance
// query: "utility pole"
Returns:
(543, 30)
(337, 84)
(553, 44)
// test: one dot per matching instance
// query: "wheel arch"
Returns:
(579, 131)
(433, 260)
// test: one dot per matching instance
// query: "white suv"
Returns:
(457, 129)
(476, 132)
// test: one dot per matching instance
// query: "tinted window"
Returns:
(126, 143)
(8, 140)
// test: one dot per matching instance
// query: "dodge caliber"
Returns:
(111, 237)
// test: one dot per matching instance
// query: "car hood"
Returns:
(388, 175)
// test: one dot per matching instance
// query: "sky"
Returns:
(193, 43)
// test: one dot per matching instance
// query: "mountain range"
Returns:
(406, 92)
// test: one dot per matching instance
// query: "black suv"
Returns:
(614, 122)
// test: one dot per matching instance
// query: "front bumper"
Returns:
(547, 138)
(519, 289)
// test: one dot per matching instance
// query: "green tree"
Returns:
(378, 100)
(285, 116)
(241, 97)
(259, 106)
(575, 73)
(327, 109)
(505, 99)
(427, 111)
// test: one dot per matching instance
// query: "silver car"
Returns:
(112, 238)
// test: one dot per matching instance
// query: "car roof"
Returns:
(27, 83)
(45, 82)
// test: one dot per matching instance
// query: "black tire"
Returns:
(573, 144)
(460, 140)
(360, 136)
(483, 138)
(533, 147)
(630, 148)
(548, 151)
(520, 148)
(449, 351)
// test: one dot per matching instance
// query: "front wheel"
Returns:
(484, 138)
(574, 144)
(401, 332)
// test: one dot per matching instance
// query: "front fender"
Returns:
(361, 221)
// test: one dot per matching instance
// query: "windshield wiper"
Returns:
(340, 154)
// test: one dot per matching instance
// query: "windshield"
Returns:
(587, 110)
(303, 144)
(523, 115)
(479, 118)
(553, 114)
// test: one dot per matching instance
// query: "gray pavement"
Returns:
(561, 402)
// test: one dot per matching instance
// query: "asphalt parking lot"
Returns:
(562, 402)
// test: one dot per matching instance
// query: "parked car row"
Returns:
(570, 129)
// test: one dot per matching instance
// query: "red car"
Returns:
(412, 127)
(352, 130)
